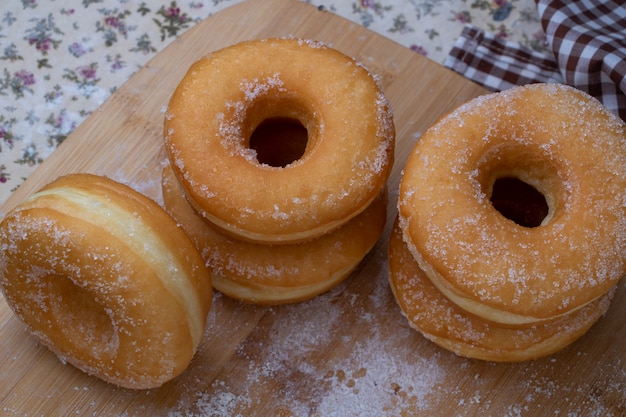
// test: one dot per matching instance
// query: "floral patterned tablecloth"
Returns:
(62, 59)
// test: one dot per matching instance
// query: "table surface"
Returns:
(62, 60)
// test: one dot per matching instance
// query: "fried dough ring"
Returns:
(102, 276)
(277, 274)
(225, 96)
(560, 141)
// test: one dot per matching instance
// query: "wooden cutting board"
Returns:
(347, 352)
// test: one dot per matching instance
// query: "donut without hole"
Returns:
(104, 277)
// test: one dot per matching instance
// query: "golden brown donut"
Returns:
(104, 277)
(276, 274)
(225, 97)
(565, 145)
(444, 323)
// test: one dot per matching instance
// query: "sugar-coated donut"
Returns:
(553, 138)
(226, 96)
(276, 274)
(444, 323)
(105, 278)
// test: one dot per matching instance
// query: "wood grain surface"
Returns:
(347, 352)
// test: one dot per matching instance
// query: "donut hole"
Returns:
(281, 129)
(522, 183)
(83, 322)
(519, 201)
(279, 141)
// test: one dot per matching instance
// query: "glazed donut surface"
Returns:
(102, 276)
(554, 138)
(444, 323)
(227, 95)
(277, 274)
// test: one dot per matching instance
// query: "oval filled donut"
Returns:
(104, 277)
(552, 138)
(276, 274)
(444, 323)
(226, 96)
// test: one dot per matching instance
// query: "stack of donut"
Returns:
(511, 233)
(279, 153)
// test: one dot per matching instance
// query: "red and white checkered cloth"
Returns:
(588, 38)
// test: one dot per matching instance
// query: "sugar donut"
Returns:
(102, 276)
(565, 145)
(223, 99)
(277, 274)
(444, 323)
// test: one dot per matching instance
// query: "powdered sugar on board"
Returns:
(314, 365)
